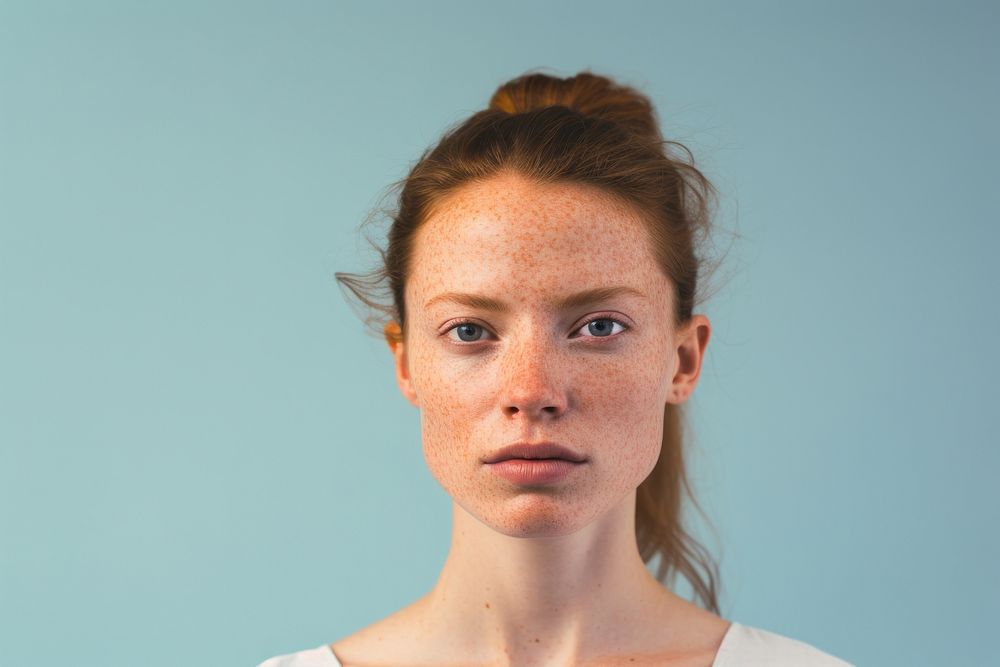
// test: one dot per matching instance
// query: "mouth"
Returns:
(541, 451)
(535, 472)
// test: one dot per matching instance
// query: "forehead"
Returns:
(510, 234)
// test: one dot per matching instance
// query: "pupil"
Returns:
(598, 326)
(467, 328)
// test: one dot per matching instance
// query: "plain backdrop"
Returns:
(204, 459)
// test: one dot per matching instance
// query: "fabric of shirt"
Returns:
(742, 646)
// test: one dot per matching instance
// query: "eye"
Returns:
(598, 327)
(602, 327)
(467, 332)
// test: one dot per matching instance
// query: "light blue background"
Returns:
(203, 458)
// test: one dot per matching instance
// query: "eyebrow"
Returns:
(577, 300)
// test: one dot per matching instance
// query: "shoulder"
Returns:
(747, 646)
(321, 656)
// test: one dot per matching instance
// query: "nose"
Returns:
(534, 385)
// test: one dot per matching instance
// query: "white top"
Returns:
(742, 646)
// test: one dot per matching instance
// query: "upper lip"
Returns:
(537, 450)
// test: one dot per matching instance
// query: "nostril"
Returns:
(549, 411)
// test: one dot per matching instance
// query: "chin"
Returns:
(536, 514)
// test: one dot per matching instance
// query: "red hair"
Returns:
(591, 130)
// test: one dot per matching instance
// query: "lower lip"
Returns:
(534, 471)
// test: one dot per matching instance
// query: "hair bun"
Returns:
(588, 93)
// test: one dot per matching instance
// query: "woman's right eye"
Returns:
(467, 332)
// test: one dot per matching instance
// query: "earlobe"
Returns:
(397, 345)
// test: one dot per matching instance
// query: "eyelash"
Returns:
(459, 323)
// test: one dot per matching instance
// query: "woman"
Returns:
(542, 267)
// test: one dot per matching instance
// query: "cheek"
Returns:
(625, 401)
(453, 401)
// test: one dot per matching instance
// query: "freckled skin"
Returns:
(542, 575)
(535, 377)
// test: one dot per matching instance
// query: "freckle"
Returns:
(537, 639)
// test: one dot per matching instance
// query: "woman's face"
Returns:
(515, 366)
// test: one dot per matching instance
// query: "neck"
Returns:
(560, 600)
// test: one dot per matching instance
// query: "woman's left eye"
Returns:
(602, 327)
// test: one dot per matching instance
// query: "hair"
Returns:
(585, 129)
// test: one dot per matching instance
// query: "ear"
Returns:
(394, 337)
(692, 339)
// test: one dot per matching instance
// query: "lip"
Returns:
(534, 472)
(531, 451)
